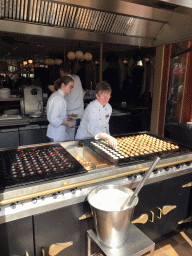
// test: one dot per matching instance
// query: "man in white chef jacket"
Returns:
(95, 121)
(75, 103)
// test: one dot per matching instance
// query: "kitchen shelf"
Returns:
(11, 99)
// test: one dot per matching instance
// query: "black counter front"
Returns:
(181, 133)
(25, 131)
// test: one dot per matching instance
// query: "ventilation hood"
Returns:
(137, 22)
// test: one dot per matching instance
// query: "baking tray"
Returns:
(88, 158)
(35, 164)
(94, 145)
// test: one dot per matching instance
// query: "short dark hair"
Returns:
(63, 80)
(103, 87)
(65, 66)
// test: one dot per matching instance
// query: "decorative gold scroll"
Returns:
(56, 248)
(142, 219)
(187, 185)
(167, 208)
(189, 219)
(86, 216)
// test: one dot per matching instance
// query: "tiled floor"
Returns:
(177, 245)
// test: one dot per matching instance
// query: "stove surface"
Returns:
(138, 147)
(31, 165)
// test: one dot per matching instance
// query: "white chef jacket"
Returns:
(56, 113)
(95, 120)
(75, 104)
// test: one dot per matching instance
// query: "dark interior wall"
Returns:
(43, 75)
(112, 75)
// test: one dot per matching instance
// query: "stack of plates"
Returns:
(5, 93)
(7, 117)
(11, 112)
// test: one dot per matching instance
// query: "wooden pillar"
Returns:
(159, 60)
(164, 89)
(101, 63)
(186, 112)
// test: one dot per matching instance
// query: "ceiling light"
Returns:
(71, 55)
(49, 62)
(79, 55)
(88, 56)
(140, 63)
(58, 61)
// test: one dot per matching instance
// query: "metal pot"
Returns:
(112, 226)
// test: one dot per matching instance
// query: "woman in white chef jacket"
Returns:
(57, 110)
(95, 121)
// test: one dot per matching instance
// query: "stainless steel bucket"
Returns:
(112, 226)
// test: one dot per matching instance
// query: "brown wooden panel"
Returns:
(187, 100)
(164, 89)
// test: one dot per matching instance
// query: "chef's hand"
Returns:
(68, 118)
(68, 123)
(111, 140)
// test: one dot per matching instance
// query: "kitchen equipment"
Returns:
(85, 156)
(32, 100)
(130, 200)
(25, 166)
(11, 112)
(135, 147)
(36, 114)
(111, 226)
(9, 117)
(5, 93)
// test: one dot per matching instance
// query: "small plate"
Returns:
(73, 116)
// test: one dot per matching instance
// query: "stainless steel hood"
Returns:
(136, 22)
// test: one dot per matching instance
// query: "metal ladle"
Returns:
(130, 200)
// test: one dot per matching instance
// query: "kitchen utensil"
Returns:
(32, 100)
(129, 200)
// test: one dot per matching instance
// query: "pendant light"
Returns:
(30, 61)
(71, 55)
(79, 55)
(88, 56)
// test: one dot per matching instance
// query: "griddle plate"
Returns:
(93, 144)
(41, 163)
